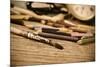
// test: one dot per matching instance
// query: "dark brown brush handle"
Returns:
(55, 31)
(49, 35)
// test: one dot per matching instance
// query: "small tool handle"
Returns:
(16, 31)
(49, 35)
(35, 37)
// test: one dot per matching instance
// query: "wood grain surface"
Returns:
(29, 52)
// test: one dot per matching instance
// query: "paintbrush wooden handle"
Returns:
(69, 23)
(34, 36)
(78, 29)
(15, 12)
(21, 17)
(77, 34)
(17, 31)
(49, 35)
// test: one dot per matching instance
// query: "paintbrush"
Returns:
(34, 36)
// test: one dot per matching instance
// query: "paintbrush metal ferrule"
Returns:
(86, 40)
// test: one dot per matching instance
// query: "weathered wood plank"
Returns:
(29, 52)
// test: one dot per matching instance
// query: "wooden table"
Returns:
(29, 52)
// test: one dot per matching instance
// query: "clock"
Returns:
(81, 12)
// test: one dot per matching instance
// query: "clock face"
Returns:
(82, 12)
